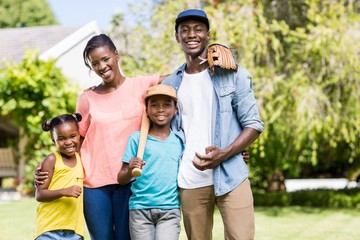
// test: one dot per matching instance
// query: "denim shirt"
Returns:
(234, 109)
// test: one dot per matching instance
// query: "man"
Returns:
(217, 119)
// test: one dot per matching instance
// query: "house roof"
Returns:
(15, 41)
(65, 44)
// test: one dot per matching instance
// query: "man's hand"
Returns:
(213, 157)
(246, 156)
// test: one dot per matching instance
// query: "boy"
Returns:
(154, 205)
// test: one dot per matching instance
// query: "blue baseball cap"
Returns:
(196, 14)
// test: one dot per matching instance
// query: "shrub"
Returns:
(347, 198)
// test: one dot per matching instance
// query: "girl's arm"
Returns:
(43, 194)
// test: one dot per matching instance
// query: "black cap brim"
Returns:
(186, 18)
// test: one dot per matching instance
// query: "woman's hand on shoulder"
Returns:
(162, 77)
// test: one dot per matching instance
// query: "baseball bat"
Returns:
(144, 130)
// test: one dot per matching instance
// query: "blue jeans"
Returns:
(59, 234)
(106, 211)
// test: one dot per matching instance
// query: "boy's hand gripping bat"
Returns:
(144, 130)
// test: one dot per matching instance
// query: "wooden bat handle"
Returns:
(144, 130)
(136, 172)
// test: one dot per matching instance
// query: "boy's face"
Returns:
(161, 109)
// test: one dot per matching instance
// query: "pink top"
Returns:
(108, 120)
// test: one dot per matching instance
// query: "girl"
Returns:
(60, 212)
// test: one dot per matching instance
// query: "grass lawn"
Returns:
(290, 223)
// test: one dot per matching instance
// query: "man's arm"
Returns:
(214, 156)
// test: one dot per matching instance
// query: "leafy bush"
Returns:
(31, 92)
(347, 198)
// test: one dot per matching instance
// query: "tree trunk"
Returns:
(276, 183)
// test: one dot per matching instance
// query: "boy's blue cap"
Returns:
(195, 14)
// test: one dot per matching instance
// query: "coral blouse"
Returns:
(108, 120)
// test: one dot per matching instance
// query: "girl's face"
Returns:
(66, 138)
(104, 63)
(161, 109)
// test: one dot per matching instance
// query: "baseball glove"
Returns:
(220, 56)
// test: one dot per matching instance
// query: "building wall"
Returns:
(69, 55)
(73, 67)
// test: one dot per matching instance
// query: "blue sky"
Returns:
(80, 12)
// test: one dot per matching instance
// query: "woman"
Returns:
(111, 112)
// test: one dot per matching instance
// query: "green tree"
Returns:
(25, 13)
(30, 92)
(313, 102)
(148, 45)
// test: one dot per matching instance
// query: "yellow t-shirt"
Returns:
(65, 212)
(107, 122)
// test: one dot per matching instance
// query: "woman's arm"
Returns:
(40, 175)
